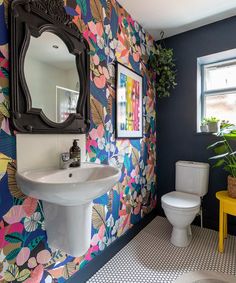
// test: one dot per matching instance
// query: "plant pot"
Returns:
(204, 128)
(213, 127)
(232, 186)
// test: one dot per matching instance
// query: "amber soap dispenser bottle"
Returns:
(75, 153)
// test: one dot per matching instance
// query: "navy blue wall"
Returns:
(177, 137)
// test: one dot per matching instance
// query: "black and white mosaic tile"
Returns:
(151, 258)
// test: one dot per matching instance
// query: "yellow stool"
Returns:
(227, 206)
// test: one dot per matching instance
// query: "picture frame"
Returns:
(129, 97)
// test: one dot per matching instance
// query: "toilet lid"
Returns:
(181, 200)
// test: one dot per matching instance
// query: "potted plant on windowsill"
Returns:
(204, 127)
(213, 124)
(225, 150)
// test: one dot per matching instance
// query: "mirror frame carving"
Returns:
(32, 18)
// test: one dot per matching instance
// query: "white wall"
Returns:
(42, 80)
(43, 151)
(73, 78)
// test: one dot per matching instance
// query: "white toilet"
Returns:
(182, 205)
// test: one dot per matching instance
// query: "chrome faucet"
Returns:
(66, 161)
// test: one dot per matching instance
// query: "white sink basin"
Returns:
(67, 197)
(69, 187)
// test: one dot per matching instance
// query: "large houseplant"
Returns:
(225, 150)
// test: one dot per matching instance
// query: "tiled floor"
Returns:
(150, 257)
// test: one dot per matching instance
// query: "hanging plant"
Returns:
(162, 62)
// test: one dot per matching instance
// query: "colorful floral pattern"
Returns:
(112, 35)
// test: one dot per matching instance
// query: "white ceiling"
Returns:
(41, 49)
(176, 16)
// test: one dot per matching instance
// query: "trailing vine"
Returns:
(162, 62)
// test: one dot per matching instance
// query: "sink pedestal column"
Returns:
(68, 227)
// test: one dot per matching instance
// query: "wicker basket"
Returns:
(232, 186)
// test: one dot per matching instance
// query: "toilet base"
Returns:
(181, 237)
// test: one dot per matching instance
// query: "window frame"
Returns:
(219, 91)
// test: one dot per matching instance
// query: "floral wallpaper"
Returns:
(112, 35)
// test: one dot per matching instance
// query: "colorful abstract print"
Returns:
(24, 253)
(129, 114)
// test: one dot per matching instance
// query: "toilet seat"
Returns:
(181, 201)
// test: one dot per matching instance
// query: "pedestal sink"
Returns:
(67, 201)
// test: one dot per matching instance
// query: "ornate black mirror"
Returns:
(49, 69)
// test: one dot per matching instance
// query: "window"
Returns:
(218, 90)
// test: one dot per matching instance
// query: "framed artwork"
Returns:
(129, 114)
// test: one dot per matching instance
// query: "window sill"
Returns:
(204, 134)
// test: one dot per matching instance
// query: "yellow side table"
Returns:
(227, 206)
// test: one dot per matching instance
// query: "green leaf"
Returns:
(34, 243)
(221, 149)
(94, 45)
(14, 238)
(227, 169)
(232, 165)
(219, 156)
(219, 163)
(93, 149)
(215, 144)
(228, 130)
(57, 256)
(11, 273)
(5, 72)
(18, 201)
(83, 6)
(230, 136)
(13, 254)
(83, 263)
(5, 91)
(92, 53)
(24, 274)
(4, 110)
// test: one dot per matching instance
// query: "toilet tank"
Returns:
(192, 177)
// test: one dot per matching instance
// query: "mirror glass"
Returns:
(52, 77)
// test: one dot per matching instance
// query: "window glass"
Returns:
(222, 106)
(220, 76)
